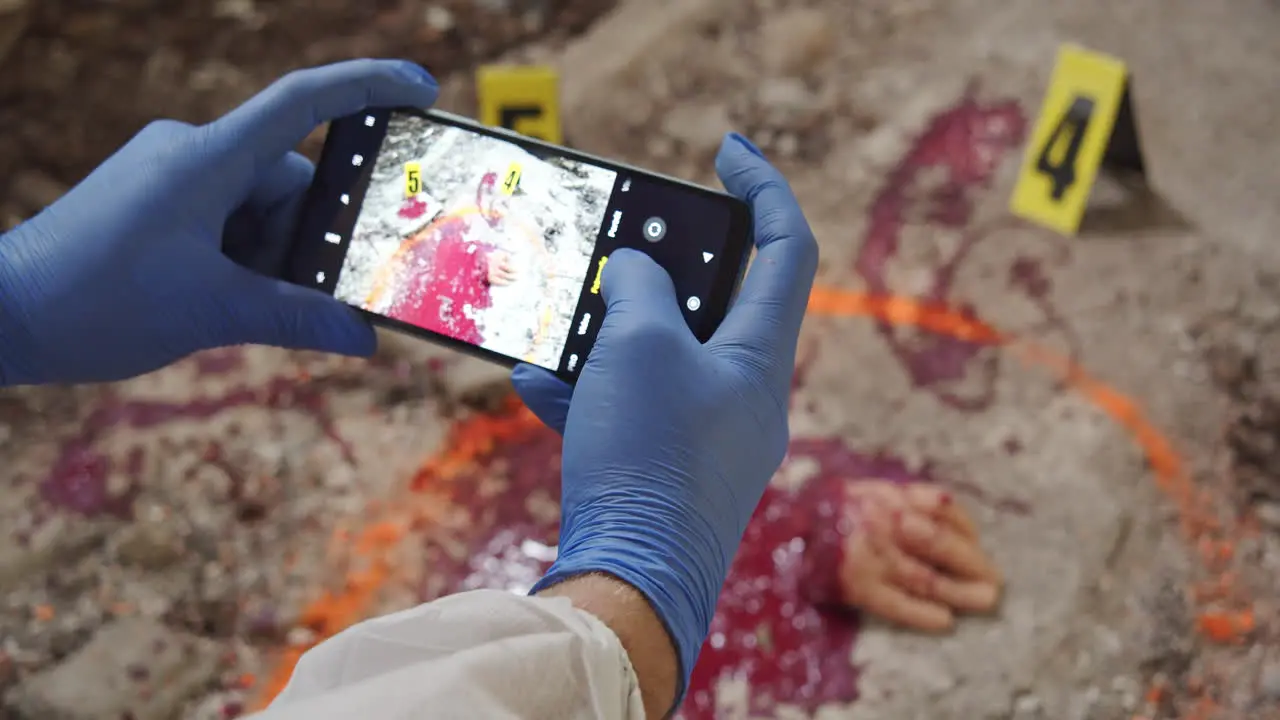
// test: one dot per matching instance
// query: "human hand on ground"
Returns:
(668, 443)
(913, 557)
(172, 245)
(501, 271)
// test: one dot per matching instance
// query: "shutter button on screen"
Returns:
(655, 228)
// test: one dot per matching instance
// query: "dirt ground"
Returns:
(1108, 407)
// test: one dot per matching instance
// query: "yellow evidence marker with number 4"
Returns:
(412, 179)
(1070, 139)
(511, 180)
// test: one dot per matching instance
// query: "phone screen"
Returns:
(437, 226)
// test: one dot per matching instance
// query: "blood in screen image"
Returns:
(475, 238)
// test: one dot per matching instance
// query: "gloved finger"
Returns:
(276, 120)
(283, 182)
(258, 310)
(771, 305)
(260, 233)
(637, 290)
(545, 394)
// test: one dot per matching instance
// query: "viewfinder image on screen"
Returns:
(475, 238)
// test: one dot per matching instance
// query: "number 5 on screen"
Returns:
(412, 179)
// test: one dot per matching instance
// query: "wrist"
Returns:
(645, 639)
(679, 573)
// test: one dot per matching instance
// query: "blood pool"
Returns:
(439, 281)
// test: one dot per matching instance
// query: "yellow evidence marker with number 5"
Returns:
(1070, 139)
(412, 179)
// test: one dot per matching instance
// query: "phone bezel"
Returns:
(739, 241)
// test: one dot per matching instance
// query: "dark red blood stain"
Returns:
(957, 154)
(1012, 446)
(440, 279)
(779, 623)
(78, 480)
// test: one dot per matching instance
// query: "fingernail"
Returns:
(421, 74)
(744, 142)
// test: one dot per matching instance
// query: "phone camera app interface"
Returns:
(475, 238)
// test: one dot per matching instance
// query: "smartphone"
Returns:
(494, 243)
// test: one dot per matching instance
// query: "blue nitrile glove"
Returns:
(170, 246)
(669, 444)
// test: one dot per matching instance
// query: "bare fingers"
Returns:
(944, 548)
(914, 557)
(922, 581)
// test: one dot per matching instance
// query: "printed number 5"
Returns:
(413, 182)
(1060, 164)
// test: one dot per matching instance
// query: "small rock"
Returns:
(700, 128)
(786, 101)
(796, 41)
(132, 668)
(787, 145)
(1026, 707)
(660, 147)
(438, 18)
(58, 542)
(150, 544)
(1268, 514)
(1269, 680)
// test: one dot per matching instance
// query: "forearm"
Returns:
(626, 611)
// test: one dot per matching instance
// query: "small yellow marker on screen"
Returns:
(595, 284)
(412, 179)
(511, 180)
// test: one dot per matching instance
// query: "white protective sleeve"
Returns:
(479, 654)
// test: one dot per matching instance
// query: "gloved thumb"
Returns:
(258, 310)
(545, 394)
(635, 288)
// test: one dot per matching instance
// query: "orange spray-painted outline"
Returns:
(474, 439)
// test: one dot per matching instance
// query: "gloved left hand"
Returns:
(172, 245)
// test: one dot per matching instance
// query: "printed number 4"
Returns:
(510, 184)
(1060, 165)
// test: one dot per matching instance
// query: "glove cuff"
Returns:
(681, 583)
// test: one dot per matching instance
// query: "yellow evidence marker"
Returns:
(595, 284)
(1086, 122)
(521, 98)
(511, 180)
(412, 179)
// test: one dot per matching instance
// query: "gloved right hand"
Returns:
(669, 443)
